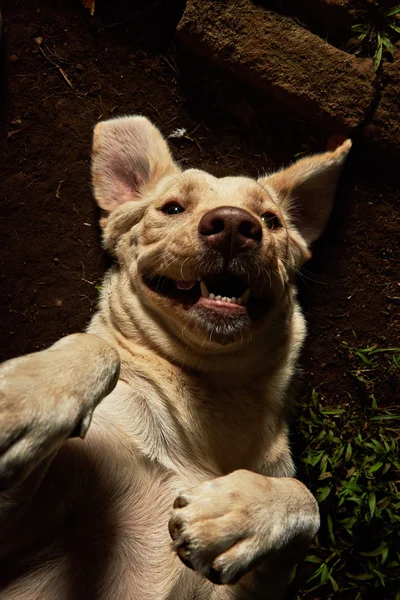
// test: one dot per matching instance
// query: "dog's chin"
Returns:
(209, 319)
(219, 328)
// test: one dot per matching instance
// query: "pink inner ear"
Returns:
(123, 192)
(123, 185)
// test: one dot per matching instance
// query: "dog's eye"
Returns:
(172, 208)
(271, 220)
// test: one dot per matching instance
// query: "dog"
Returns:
(183, 487)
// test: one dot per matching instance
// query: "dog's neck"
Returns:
(225, 404)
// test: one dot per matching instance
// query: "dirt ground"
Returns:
(64, 71)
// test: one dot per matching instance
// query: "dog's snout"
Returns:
(230, 230)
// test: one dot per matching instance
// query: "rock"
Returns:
(382, 135)
(328, 86)
(330, 19)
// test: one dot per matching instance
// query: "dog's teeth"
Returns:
(245, 297)
(240, 301)
(204, 291)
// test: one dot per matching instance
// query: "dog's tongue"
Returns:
(185, 285)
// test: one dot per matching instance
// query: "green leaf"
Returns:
(372, 503)
(316, 573)
(314, 559)
(358, 501)
(314, 460)
(334, 584)
(324, 460)
(385, 553)
(324, 573)
(374, 349)
(378, 446)
(385, 418)
(376, 467)
(381, 577)
(368, 349)
(365, 359)
(376, 552)
(337, 455)
(352, 486)
(360, 28)
(323, 493)
(359, 377)
(330, 528)
(393, 11)
(388, 44)
(378, 54)
(361, 576)
(349, 452)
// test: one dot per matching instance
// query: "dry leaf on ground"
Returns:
(89, 4)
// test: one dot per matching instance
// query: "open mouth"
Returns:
(222, 292)
(224, 306)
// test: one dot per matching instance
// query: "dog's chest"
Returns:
(118, 546)
(216, 425)
(124, 550)
(116, 543)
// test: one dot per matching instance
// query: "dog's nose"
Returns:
(230, 230)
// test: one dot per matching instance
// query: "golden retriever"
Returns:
(183, 488)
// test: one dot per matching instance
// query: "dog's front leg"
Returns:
(47, 397)
(228, 526)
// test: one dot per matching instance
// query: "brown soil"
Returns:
(119, 62)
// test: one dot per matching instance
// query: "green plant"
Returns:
(351, 463)
(381, 29)
(371, 364)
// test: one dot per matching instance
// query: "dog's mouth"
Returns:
(223, 292)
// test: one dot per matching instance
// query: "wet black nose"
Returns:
(230, 230)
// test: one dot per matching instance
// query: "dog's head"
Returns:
(210, 258)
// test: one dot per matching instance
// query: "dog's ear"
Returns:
(307, 189)
(129, 158)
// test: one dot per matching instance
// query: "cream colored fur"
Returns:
(186, 461)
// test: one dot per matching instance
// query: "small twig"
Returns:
(154, 108)
(187, 137)
(87, 281)
(60, 69)
(63, 73)
(195, 129)
(58, 196)
(171, 64)
(346, 314)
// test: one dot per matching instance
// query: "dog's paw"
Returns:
(49, 396)
(226, 527)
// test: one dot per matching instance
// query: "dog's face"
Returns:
(210, 257)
